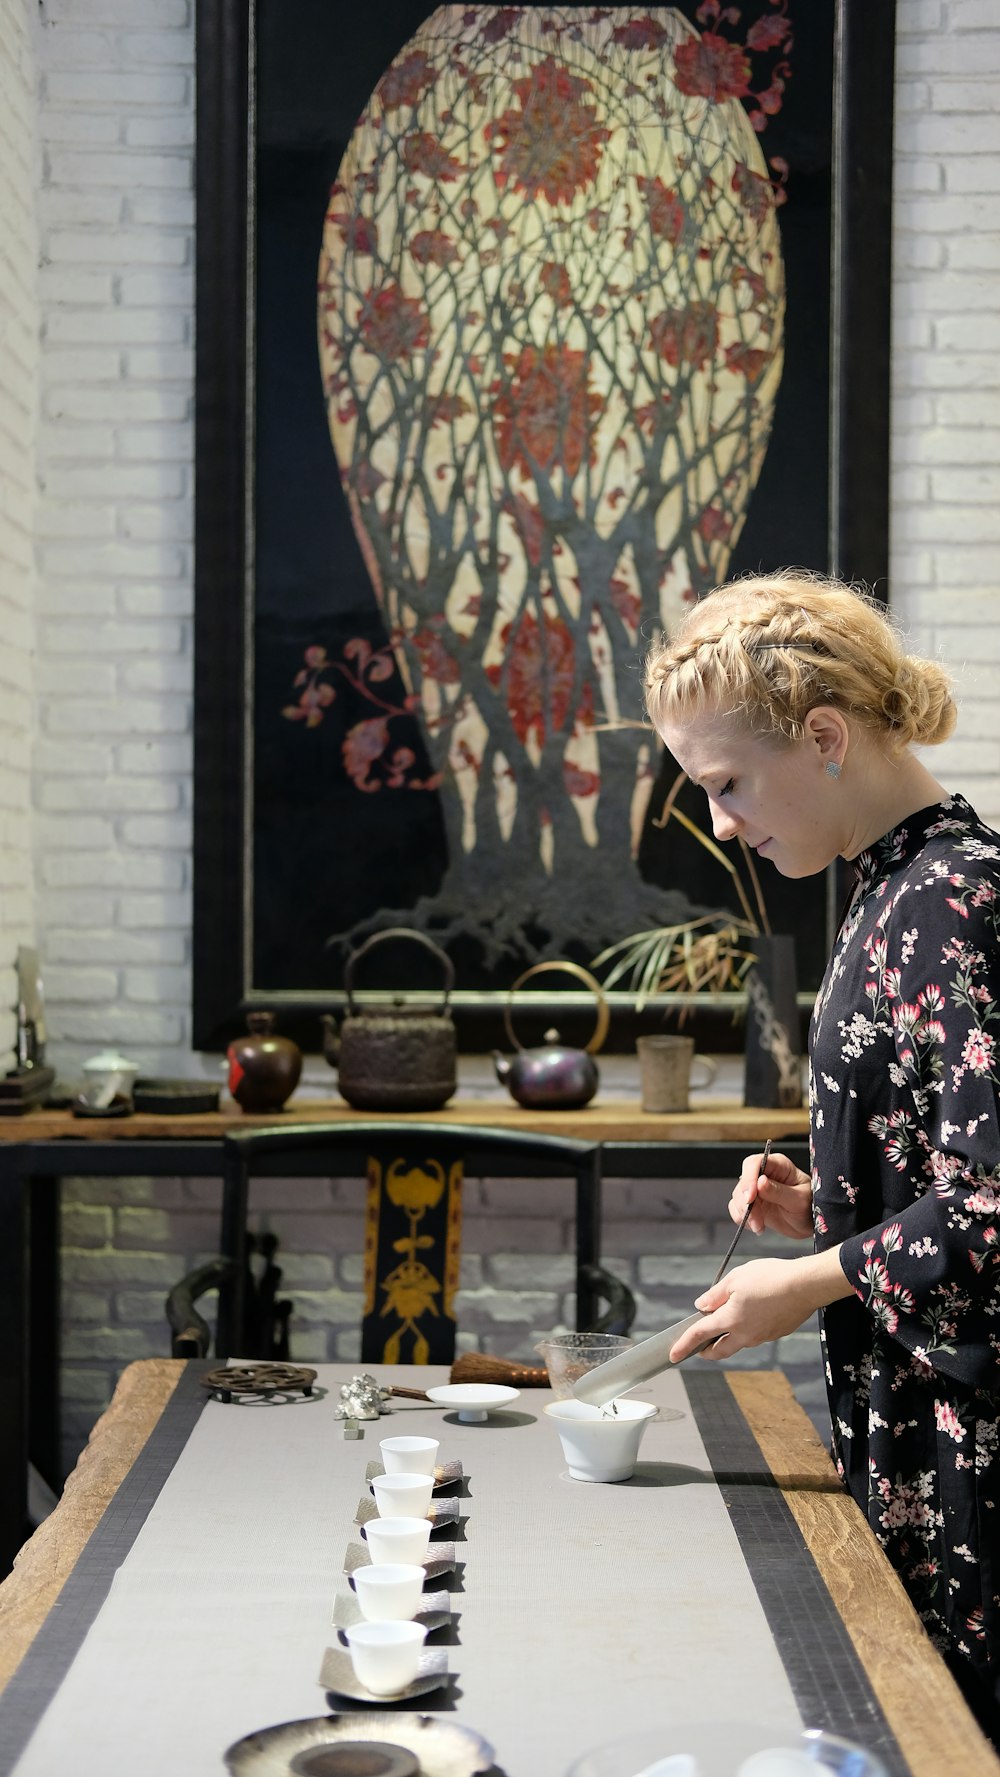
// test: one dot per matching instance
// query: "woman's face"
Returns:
(779, 799)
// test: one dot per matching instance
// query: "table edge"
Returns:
(44, 1564)
(893, 1647)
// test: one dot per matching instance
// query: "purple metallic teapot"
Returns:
(553, 1077)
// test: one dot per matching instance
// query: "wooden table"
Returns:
(919, 1701)
(42, 1147)
(616, 1122)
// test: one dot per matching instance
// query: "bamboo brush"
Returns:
(477, 1366)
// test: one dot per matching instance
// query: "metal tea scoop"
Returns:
(733, 1244)
(650, 1356)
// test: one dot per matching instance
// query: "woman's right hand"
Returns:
(782, 1197)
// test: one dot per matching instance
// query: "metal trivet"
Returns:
(262, 1379)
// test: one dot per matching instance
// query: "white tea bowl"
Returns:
(598, 1444)
(398, 1540)
(409, 1456)
(391, 1592)
(385, 1656)
(407, 1496)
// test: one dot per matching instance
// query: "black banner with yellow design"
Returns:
(413, 1246)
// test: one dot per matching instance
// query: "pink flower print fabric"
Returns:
(904, 1077)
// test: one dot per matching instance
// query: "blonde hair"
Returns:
(768, 648)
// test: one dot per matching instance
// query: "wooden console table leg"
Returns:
(588, 1236)
(233, 1245)
(45, 1286)
(13, 1357)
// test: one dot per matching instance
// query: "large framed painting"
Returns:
(518, 328)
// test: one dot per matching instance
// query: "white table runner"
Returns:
(585, 1611)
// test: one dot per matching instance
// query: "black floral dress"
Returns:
(904, 1074)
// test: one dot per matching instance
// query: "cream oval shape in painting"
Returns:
(551, 307)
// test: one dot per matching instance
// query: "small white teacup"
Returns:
(598, 1444)
(407, 1496)
(385, 1656)
(398, 1540)
(389, 1593)
(409, 1456)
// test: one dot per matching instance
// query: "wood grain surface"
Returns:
(48, 1558)
(601, 1120)
(919, 1698)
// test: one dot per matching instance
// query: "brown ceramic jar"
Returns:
(264, 1069)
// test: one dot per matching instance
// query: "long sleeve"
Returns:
(928, 1271)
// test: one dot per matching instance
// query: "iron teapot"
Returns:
(553, 1077)
(398, 1057)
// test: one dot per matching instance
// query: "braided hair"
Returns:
(768, 648)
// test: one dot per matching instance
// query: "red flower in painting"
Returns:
(366, 479)
(710, 67)
(435, 661)
(747, 361)
(543, 417)
(689, 335)
(433, 247)
(362, 746)
(500, 25)
(550, 143)
(753, 281)
(554, 280)
(713, 525)
(406, 82)
(312, 702)
(538, 675)
(579, 782)
(358, 233)
(423, 153)
(768, 33)
(665, 210)
(448, 408)
(626, 602)
(530, 525)
(753, 191)
(639, 34)
(393, 325)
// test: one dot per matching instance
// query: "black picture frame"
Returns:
(223, 973)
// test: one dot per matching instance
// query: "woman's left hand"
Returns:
(762, 1300)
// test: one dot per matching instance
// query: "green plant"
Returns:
(710, 953)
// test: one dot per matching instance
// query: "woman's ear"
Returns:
(826, 729)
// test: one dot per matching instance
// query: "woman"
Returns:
(791, 701)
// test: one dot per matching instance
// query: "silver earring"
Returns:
(832, 769)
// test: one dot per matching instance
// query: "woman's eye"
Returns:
(728, 787)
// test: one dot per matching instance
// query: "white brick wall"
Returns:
(112, 763)
(112, 770)
(946, 367)
(19, 322)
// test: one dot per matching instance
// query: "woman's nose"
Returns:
(724, 825)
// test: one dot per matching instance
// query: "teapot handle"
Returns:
(398, 932)
(581, 974)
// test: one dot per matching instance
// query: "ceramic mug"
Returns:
(667, 1072)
